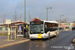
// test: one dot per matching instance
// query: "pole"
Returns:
(25, 11)
(24, 14)
(60, 20)
(8, 30)
(47, 14)
(17, 32)
(11, 33)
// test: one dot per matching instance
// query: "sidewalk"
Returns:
(5, 43)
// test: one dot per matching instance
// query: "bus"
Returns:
(43, 29)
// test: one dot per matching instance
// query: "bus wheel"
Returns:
(49, 36)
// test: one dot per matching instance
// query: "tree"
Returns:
(15, 17)
(20, 16)
(4, 18)
(39, 17)
(29, 17)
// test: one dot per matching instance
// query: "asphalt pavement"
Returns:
(61, 42)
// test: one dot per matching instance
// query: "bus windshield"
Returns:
(36, 28)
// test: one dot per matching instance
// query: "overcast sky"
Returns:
(38, 8)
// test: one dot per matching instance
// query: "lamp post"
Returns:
(25, 11)
(47, 12)
(60, 20)
(24, 16)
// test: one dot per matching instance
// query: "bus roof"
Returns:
(47, 21)
(51, 21)
(37, 19)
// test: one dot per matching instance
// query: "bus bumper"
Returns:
(36, 37)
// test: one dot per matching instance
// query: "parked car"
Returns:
(73, 28)
(60, 29)
(67, 28)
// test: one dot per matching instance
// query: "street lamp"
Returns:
(25, 11)
(24, 15)
(60, 19)
(47, 12)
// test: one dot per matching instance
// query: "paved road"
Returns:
(61, 42)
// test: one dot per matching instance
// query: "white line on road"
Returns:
(36, 45)
(70, 47)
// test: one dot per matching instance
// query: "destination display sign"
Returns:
(39, 22)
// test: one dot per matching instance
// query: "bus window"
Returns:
(36, 27)
(50, 27)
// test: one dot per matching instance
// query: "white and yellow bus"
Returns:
(43, 29)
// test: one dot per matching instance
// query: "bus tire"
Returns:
(32, 39)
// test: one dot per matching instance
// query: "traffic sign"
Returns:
(8, 31)
(8, 21)
(26, 26)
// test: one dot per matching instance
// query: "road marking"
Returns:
(36, 45)
(70, 47)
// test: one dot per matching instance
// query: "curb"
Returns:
(10, 44)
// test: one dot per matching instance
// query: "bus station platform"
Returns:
(5, 43)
